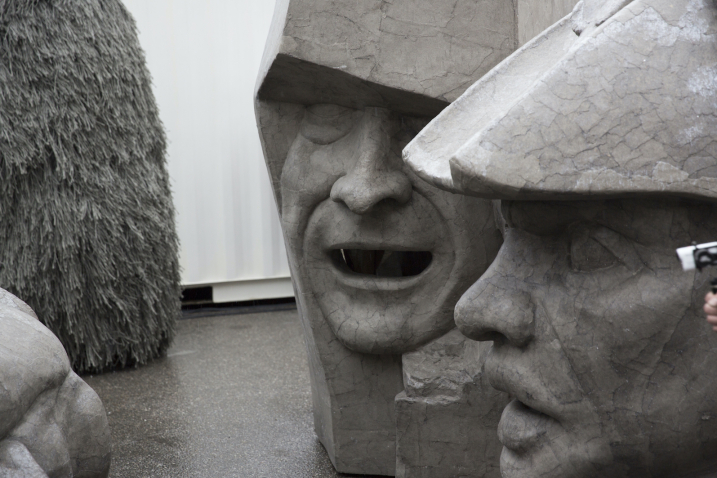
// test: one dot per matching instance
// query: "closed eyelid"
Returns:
(325, 124)
(620, 246)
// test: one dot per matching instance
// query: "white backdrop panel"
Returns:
(204, 57)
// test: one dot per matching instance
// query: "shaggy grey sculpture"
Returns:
(87, 234)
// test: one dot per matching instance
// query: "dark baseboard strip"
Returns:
(193, 311)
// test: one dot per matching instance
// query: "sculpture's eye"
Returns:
(591, 248)
(325, 124)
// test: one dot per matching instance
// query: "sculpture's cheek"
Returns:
(32, 361)
(17, 461)
(73, 429)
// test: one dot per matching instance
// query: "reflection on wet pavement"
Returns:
(232, 399)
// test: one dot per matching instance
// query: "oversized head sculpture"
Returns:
(378, 257)
(605, 163)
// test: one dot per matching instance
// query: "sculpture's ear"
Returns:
(278, 125)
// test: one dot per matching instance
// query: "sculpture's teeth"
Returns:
(385, 263)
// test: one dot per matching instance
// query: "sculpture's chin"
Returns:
(551, 451)
(548, 461)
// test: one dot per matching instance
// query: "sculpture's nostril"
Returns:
(361, 191)
(487, 312)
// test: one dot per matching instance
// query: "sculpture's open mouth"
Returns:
(382, 263)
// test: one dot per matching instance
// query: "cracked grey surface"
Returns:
(344, 86)
(626, 107)
(354, 193)
(404, 54)
(447, 416)
(51, 423)
(604, 163)
(598, 336)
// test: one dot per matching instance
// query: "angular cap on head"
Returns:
(406, 55)
(409, 56)
(627, 107)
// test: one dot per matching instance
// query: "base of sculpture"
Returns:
(448, 412)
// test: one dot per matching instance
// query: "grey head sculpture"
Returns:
(51, 422)
(378, 256)
(599, 137)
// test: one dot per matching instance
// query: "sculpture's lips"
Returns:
(382, 262)
(517, 380)
(373, 267)
(521, 427)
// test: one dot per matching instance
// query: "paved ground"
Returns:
(232, 399)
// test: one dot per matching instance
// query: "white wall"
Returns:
(204, 57)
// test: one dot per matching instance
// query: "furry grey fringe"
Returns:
(87, 233)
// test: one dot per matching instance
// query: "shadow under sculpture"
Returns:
(605, 165)
(51, 422)
(378, 256)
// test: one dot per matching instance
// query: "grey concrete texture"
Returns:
(597, 333)
(51, 423)
(343, 87)
(231, 399)
(405, 44)
(625, 107)
(356, 227)
(353, 222)
(446, 418)
(599, 336)
(353, 53)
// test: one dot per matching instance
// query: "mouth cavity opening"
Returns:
(383, 263)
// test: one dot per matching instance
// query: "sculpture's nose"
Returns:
(496, 308)
(376, 173)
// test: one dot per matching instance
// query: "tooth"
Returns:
(362, 261)
(383, 263)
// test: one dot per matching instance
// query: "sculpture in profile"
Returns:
(598, 138)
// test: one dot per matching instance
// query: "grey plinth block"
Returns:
(51, 422)
(447, 415)
(598, 137)
(378, 256)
